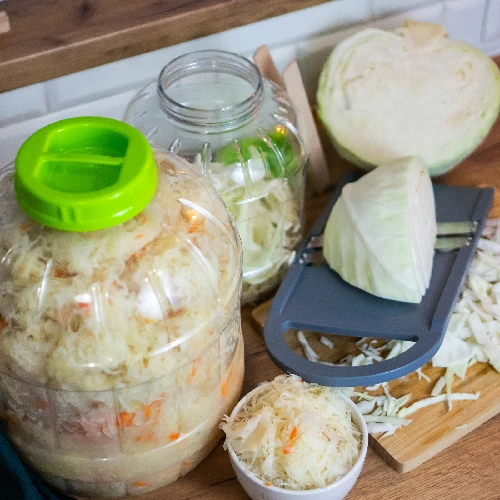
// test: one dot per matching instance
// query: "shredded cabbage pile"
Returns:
(120, 306)
(473, 335)
(295, 435)
(267, 215)
(474, 330)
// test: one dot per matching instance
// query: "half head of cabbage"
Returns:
(384, 95)
(381, 232)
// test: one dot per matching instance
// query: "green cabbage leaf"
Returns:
(381, 232)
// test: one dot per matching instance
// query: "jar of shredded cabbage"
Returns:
(241, 131)
(120, 346)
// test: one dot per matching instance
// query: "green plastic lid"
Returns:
(85, 174)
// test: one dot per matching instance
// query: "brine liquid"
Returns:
(210, 91)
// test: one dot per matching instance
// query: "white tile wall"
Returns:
(22, 104)
(491, 29)
(307, 35)
(381, 8)
(464, 20)
(13, 136)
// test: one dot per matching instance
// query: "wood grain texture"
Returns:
(51, 38)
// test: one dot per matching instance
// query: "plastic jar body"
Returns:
(214, 109)
(121, 348)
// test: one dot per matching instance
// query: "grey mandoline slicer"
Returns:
(313, 297)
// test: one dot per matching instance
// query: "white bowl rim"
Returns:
(344, 478)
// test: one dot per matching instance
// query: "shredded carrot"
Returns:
(60, 273)
(186, 463)
(147, 438)
(293, 434)
(268, 484)
(3, 323)
(174, 435)
(127, 418)
(85, 309)
(225, 382)
(139, 236)
(287, 450)
(140, 483)
(196, 225)
(42, 405)
(177, 312)
(11, 420)
(154, 405)
(194, 367)
(24, 228)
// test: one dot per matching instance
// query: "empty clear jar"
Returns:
(240, 130)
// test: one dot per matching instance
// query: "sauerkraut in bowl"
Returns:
(120, 349)
(288, 438)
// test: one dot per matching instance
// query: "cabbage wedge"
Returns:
(412, 92)
(381, 232)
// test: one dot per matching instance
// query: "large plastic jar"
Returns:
(241, 131)
(120, 347)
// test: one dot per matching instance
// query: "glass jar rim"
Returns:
(210, 61)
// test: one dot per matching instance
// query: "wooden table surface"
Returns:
(468, 470)
(51, 38)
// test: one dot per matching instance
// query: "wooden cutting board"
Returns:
(433, 428)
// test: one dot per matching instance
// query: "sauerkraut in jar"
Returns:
(121, 348)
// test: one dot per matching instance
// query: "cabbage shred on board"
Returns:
(120, 349)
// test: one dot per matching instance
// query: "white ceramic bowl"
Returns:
(256, 488)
